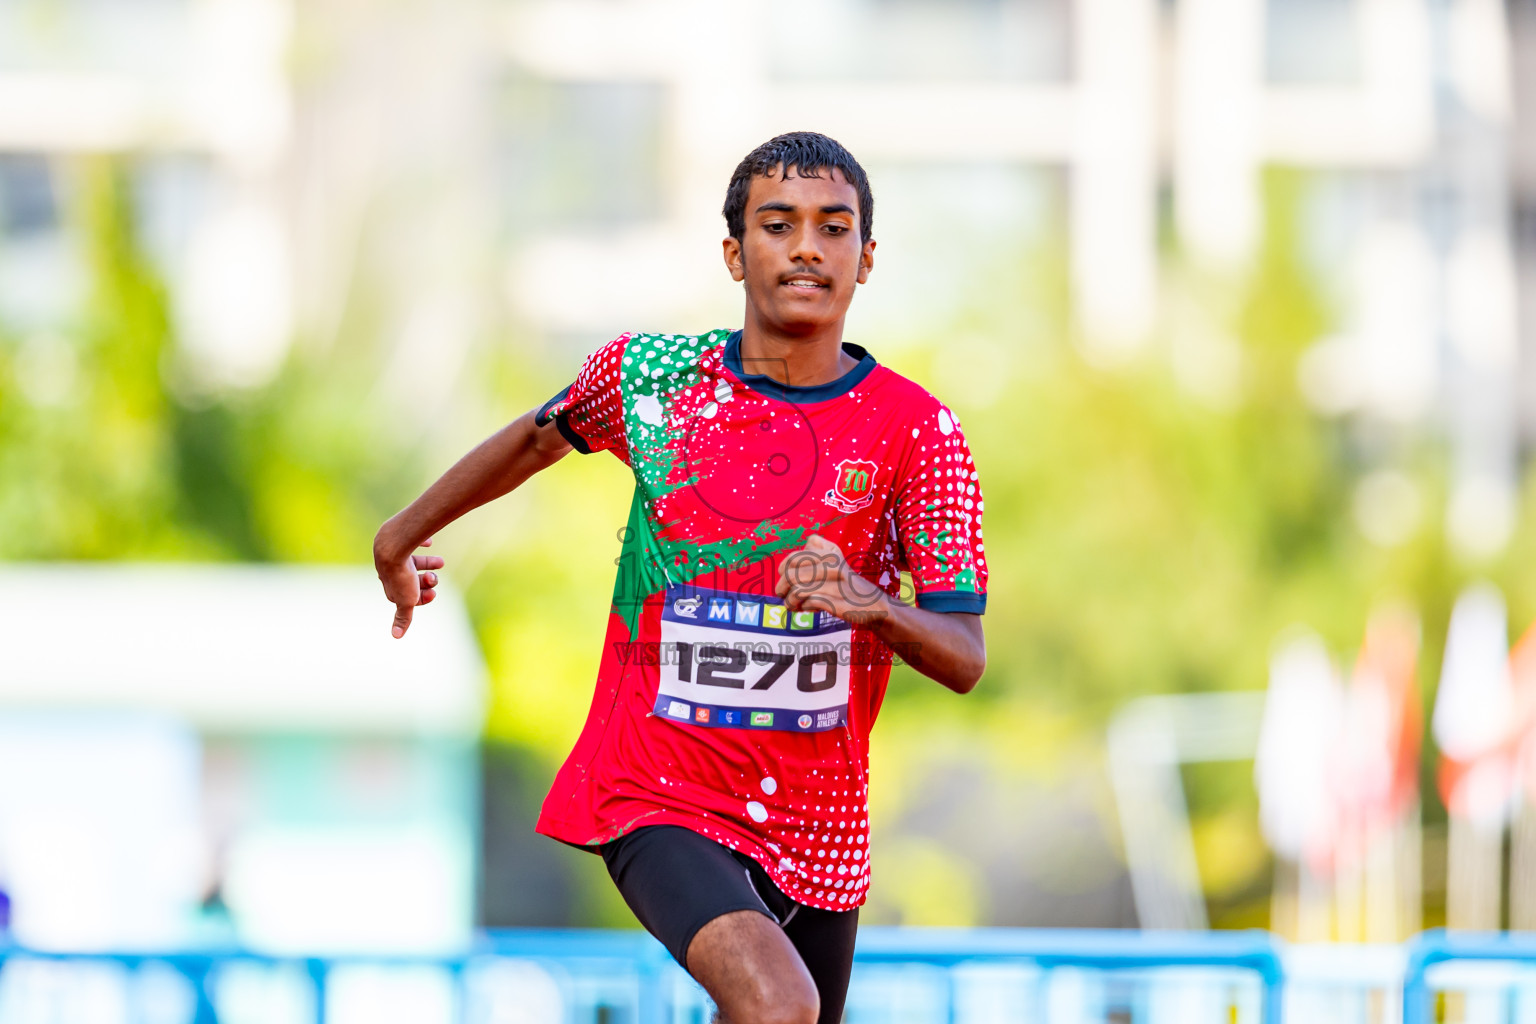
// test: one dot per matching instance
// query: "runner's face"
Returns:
(800, 253)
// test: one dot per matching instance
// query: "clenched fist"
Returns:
(819, 578)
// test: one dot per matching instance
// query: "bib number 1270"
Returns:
(725, 665)
(748, 662)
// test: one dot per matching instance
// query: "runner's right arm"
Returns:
(494, 467)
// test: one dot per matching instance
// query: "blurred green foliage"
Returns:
(1140, 540)
(134, 462)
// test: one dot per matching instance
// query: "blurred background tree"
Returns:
(1142, 539)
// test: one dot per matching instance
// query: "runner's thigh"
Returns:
(751, 970)
(677, 881)
(700, 901)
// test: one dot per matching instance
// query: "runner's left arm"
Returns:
(937, 519)
(944, 646)
(948, 647)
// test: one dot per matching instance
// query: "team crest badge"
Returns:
(854, 487)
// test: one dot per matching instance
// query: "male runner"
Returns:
(722, 770)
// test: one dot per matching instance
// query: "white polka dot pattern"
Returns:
(938, 510)
(593, 407)
(882, 470)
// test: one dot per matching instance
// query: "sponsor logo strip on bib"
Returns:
(742, 661)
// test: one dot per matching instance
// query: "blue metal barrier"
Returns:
(1443, 947)
(567, 977)
(1101, 950)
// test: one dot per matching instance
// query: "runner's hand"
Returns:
(819, 578)
(408, 581)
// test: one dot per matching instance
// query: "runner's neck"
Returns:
(803, 362)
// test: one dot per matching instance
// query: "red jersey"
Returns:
(716, 707)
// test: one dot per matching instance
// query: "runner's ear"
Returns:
(731, 249)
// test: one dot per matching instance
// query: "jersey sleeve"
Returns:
(589, 413)
(938, 518)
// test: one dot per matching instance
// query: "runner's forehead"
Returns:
(829, 189)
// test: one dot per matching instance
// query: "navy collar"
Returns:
(766, 385)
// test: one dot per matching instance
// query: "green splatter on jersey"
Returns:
(654, 371)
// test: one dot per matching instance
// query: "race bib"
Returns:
(746, 662)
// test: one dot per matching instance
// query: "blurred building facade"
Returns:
(283, 153)
(220, 754)
(555, 168)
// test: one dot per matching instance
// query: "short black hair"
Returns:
(807, 153)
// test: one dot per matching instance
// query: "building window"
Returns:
(1311, 42)
(29, 201)
(144, 38)
(580, 154)
(925, 40)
